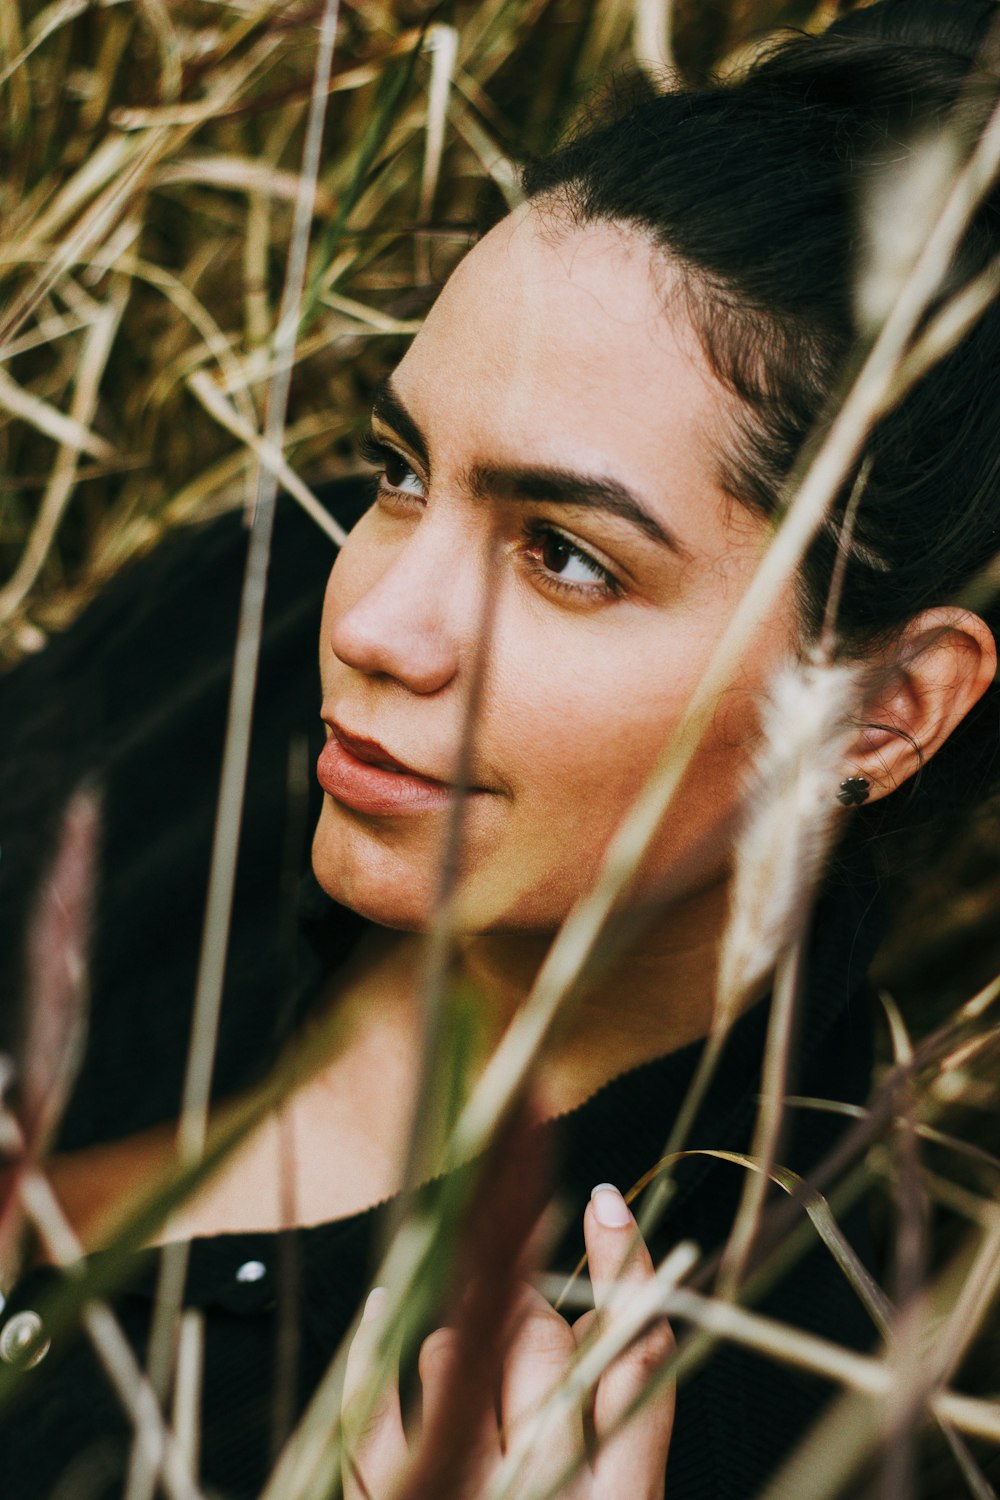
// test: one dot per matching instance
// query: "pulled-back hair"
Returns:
(752, 188)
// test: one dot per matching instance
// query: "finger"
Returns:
(439, 1355)
(541, 1350)
(375, 1448)
(616, 1251)
(631, 1460)
(584, 1327)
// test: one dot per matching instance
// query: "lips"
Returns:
(361, 774)
(373, 754)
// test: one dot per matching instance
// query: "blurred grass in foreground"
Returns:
(150, 155)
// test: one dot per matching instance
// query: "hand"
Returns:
(537, 1354)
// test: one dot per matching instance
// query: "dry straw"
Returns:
(262, 219)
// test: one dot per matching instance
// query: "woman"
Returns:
(579, 456)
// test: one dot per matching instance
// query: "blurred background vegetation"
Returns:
(150, 151)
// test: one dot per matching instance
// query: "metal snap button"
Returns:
(23, 1341)
(251, 1271)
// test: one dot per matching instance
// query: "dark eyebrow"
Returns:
(388, 408)
(546, 485)
(563, 487)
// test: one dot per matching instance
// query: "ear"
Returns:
(939, 667)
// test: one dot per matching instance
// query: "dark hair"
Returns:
(752, 186)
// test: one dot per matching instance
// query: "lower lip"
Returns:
(370, 789)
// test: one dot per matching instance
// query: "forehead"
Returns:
(565, 344)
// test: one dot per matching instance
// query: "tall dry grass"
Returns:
(215, 239)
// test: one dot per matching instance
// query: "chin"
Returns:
(392, 875)
(381, 906)
(364, 872)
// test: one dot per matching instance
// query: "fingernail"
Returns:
(610, 1208)
(374, 1304)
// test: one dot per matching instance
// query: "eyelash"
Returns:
(606, 585)
(380, 454)
(535, 533)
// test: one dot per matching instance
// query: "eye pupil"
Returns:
(555, 553)
(396, 469)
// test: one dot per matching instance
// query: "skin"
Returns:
(550, 350)
(532, 1354)
(561, 348)
(542, 351)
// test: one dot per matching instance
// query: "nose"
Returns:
(412, 622)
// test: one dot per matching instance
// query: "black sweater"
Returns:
(134, 695)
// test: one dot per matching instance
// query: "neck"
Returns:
(654, 996)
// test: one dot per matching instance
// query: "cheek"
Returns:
(580, 735)
(576, 734)
(586, 711)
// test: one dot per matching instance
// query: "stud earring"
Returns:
(854, 791)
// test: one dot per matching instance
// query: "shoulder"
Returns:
(133, 697)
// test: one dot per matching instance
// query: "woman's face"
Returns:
(549, 445)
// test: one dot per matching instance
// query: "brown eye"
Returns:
(561, 557)
(395, 469)
(556, 552)
(399, 475)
